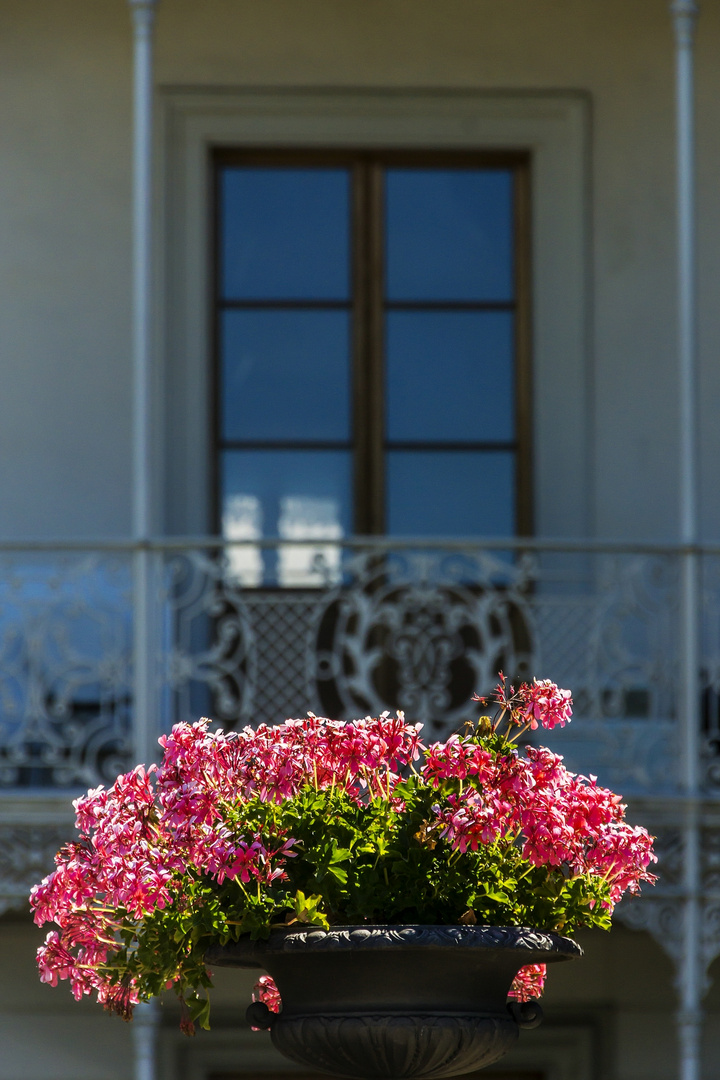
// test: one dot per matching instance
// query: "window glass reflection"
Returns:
(293, 495)
(285, 233)
(285, 375)
(450, 493)
(242, 521)
(449, 234)
(450, 376)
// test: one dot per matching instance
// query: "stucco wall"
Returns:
(64, 269)
(65, 198)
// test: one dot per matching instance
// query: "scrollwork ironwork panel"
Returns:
(420, 631)
(208, 640)
(661, 917)
(65, 698)
(609, 630)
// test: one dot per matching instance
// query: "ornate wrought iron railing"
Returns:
(250, 632)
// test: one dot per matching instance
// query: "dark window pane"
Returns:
(450, 493)
(294, 494)
(285, 234)
(450, 376)
(449, 234)
(285, 375)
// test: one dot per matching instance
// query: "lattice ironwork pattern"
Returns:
(364, 629)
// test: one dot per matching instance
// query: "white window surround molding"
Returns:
(554, 127)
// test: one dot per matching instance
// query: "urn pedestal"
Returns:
(396, 1002)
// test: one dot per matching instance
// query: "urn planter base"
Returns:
(396, 1002)
(395, 1045)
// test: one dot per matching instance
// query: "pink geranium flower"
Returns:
(546, 704)
(541, 702)
(529, 982)
(268, 993)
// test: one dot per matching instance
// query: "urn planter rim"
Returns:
(386, 937)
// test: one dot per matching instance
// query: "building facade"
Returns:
(356, 350)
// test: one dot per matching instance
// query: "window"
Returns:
(371, 330)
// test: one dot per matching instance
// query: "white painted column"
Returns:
(145, 690)
(143, 19)
(145, 1025)
(685, 13)
(691, 971)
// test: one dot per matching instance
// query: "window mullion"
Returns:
(360, 348)
(368, 347)
(376, 341)
(523, 349)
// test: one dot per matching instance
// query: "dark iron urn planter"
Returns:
(396, 1001)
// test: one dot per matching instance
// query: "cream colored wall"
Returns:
(44, 1033)
(64, 271)
(64, 199)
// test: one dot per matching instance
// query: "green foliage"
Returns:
(363, 863)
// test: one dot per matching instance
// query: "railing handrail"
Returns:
(361, 543)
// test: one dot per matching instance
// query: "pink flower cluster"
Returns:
(529, 982)
(123, 866)
(457, 759)
(138, 837)
(546, 704)
(268, 993)
(541, 703)
(557, 817)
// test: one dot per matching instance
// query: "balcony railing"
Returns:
(258, 631)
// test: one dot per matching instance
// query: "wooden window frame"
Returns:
(368, 443)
